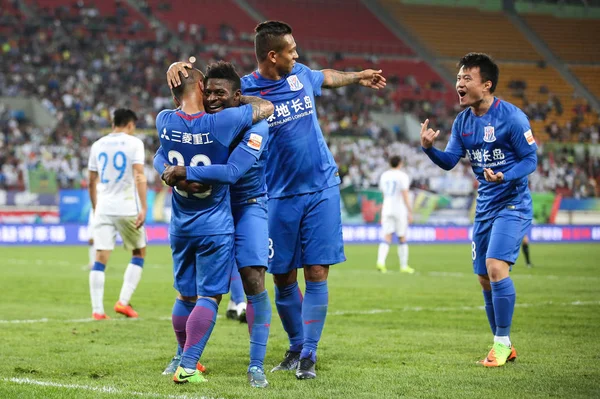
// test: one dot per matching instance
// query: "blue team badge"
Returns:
(488, 134)
(294, 83)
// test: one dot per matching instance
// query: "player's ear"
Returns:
(272, 56)
(488, 85)
(201, 86)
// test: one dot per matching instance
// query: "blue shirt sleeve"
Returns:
(455, 145)
(245, 154)
(523, 168)
(229, 123)
(521, 136)
(239, 162)
(160, 159)
(255, 139)
(316, 79)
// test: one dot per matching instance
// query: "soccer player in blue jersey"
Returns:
(305, 226)
(245, 170)
(497, 139)
(201, 229)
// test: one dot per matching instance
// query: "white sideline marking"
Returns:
(336, 313)
(103, 389)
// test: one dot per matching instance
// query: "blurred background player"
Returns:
(236, 308)
(118, 194)
(492, 134)
(525, 246)
(245, 172)
(201, 224)
(396, 214)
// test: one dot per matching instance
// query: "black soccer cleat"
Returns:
(289, 362)
(231, 314)
(306, 369)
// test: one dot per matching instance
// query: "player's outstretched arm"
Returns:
(368, 78)
(443, 159)
(261, 108)
(239, 162)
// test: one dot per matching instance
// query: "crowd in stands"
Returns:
(80, 68)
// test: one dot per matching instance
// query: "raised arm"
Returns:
(261, 108)
(368, 78)
(444, 159)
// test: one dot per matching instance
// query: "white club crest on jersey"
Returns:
(294, 83)
(488, 134)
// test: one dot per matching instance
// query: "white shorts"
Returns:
(106, 228)
(394, 223)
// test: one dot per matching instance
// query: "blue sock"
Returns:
(236, 287)
(179, 317)
(199, 327)
(489, 310)
(99, 267)
(258, 315)
(314, 311)
(503, 296)
(289, 306)
(137, 261)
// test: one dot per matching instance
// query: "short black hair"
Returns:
(269, 37)
(395, 161)
(194, 76)
(122, 116)
(488, 69)
(223, 70)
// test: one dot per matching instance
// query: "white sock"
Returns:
(384, 247)
(132, 277)
(92, 254)
(231, 305)
(240, 308)
(505, 339)
(97, 291)
(403, 255)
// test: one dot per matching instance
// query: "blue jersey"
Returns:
(497, 140)
(190, 140)
(253, 184)
(299, 161)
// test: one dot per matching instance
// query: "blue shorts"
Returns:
(251, 232)
(305, 230)
(202, 265)
(498, 238)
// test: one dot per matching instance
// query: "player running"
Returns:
(497, 139)
(245, 171)
(302, 179)
(396, 214)
(201, 224)
(117, 187)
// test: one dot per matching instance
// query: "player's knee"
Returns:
(283, 280)
(102, 256)
(253, 279)
(387, 238)
(484, 280)
(497, 269)
(316, 273)
(402, 239)
(139, 252)
(192, 299)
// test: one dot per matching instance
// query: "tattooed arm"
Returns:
(261, 109)
(368, 78)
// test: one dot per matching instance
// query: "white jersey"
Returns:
(392, 183)
(113, 157)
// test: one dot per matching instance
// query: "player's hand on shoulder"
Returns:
(173, 174)
(173, 73)
(372, 78)
(493, 177)
(428, 135)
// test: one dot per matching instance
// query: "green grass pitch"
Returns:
(386, 336)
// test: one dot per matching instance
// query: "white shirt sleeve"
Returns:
(404, 182)
(139, 154)
(92, 162)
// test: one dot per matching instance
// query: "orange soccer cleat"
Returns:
(126, 310)
(100, 316)
(499, 355)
